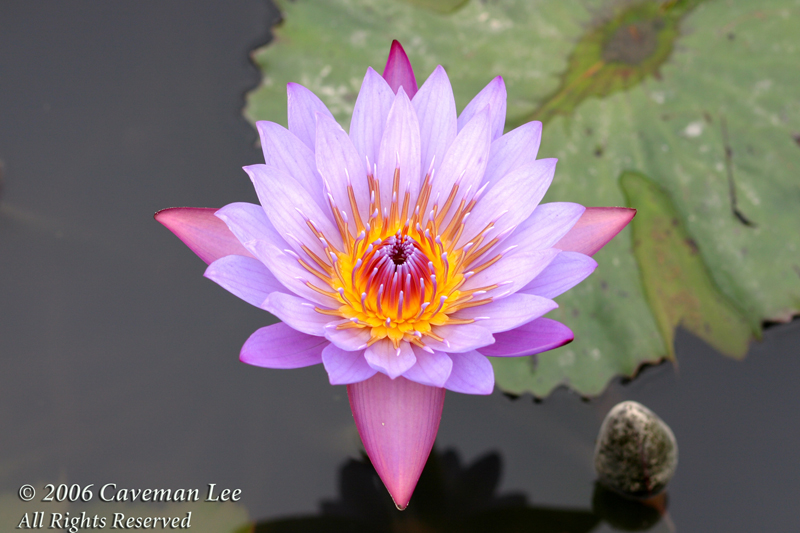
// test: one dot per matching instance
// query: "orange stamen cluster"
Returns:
(400, 273)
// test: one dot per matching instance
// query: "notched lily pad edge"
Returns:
(755, 329)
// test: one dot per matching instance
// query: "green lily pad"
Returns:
(699, 97)
(677, 284)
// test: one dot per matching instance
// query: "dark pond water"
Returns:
(119, 360)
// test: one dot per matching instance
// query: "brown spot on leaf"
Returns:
(633, 43)
(693, 249)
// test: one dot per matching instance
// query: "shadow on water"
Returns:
(452, 497)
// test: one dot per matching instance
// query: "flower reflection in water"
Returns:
(451, 497)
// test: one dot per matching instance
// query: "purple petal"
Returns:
(289, 208)
(279, 346)
(493, 95)
(397, 420)
(534, 337)
(297, 313)
(341, 166)
(460, 338)
(303, 108)
(465, 161)
(515, 149)
(252, 227)
(511, 199)
(345, 367)
(436, 110)
(400, 145)
(546, 226)
(431, 369)
(202, 232)
(245, 277)
(369, 116)
(288, 271)
(384, 357)
(567, 270)
(349, 339)
(472, 374)
(284, 151)
(508, 313)
(398, 72)
(249, 222)
(514, 270)
(596, 227)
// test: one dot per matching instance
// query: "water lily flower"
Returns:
(402, 254)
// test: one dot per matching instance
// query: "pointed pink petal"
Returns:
(534, 337)
(280, 346)
(595, 228)
(202, 232)
(398, 72)
(397, 420)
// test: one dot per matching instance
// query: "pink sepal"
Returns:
(595, 228)
(398, 72)
(202, 232)
(397, 420)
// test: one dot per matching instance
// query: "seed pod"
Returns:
(636, 453)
